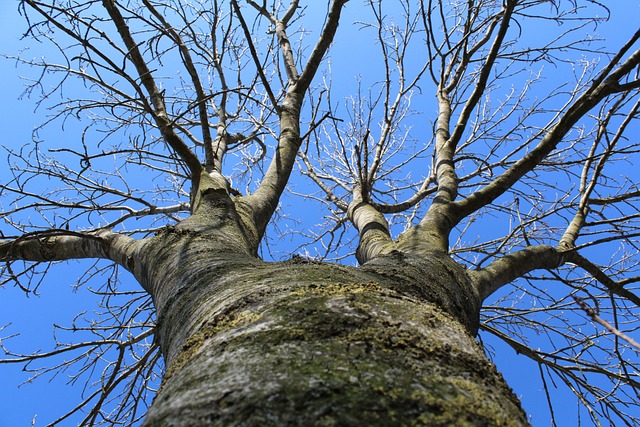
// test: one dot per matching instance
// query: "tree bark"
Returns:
(303, 343)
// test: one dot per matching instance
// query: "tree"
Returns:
(477, 190)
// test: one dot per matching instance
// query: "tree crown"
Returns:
(501, 133)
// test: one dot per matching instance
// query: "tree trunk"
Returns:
(304, 343)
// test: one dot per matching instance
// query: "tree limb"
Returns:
(510, 267)
(254, 54)
(160, 113)
(201, 97)
(372, 227)
(265, 200)
(594, 316)
(589, 99)
(61, 245)
(614, 287)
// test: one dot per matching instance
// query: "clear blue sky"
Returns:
(33, 317)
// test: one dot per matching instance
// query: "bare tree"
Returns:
(475, 156)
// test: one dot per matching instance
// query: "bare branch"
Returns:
(201, 98)
(589, 99)
(594, 315)
(614, 287)
(266, 197)
(160, 114)
(254, 55)
(510, 267)
(57, 245)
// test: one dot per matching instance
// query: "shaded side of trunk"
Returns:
(300, 343)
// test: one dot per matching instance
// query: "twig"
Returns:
(594, 316)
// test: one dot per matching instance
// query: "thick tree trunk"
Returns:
(303, 343)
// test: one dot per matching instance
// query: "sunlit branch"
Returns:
(506, 269)
(280, 28)
(438, 217)
(594, 316)
(614, 287)
(201, 97)
(277, 175)
(483, 77)
(254, 54)
(412, 201)
(330, 196)
(57, 245)
(372, 227)
(572, 232)
(321, 47)
(603, 201)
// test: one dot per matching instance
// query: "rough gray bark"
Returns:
(303, 343)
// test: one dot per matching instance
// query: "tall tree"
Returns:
(478, 167)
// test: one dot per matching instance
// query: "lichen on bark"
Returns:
(303, 343)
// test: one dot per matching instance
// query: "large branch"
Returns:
(436, 225)
(197, 85)
(372, 227)
(265, 200)
(589, 99)
(280, 29)
(157, 100)
(321, 48)
(483, 77)
(254, 54)
(513, 266)
(62, 245)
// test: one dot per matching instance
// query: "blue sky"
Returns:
(34, 316)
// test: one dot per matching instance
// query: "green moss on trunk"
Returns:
(300, 343)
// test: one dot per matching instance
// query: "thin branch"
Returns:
(201, 97)
(613, 286)
(594, 316)
(254, 55)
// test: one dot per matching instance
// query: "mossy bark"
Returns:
(304, 343)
